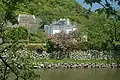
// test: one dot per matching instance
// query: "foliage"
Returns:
(106, 7)
(110, 33)
(38, 36)
(15, 34)
(101, 31)
(20, 61)
(116, 54)
(62, 44)
(12, 62)
(50, 10)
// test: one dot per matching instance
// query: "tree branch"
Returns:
(102, 5)
(7, 65)
(4, 75)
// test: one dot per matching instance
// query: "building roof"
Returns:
(61, 22)
(26, 18)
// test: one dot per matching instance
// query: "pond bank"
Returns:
(47, 65)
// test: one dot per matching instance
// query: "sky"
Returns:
(95, 6)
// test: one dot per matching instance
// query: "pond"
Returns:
(80, 74)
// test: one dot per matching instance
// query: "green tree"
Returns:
(10, 61)
(106, 7)
(15, 34)
(113, 13)
(39, 36)
(49, 10)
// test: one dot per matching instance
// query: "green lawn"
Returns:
(74, 61)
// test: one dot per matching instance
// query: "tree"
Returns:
(10, 62)
(15, 34)
(106, 7)
(114, 14)
(39, 36)
(50, 10)
(62, 44)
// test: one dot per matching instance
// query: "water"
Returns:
(80, 74)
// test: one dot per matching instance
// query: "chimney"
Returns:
(68, 21)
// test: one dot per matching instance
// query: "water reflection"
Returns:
(80, 74)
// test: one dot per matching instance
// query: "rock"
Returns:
(55, 66)
(97, 66)
(103, 66)
(89, 66)
(80, 65)
(85, 66)
(42, 65)
(35, 67)
(49, 66)
(118, 65)
(75, 65)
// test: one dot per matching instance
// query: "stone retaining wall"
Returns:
(81, 55)
(75, 65)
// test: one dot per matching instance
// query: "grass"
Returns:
(74, 61)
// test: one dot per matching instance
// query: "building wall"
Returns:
(1, 41)
(28, 21)
(56, 31)
(58, 26)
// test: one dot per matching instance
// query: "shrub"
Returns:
(62, 44)
(15, 34)
(37, 47)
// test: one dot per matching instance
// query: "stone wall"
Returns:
(91, 54)
(80, 55)
(47, 65)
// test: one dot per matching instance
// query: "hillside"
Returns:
(49, 10)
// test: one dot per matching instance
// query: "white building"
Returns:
(60, 25)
